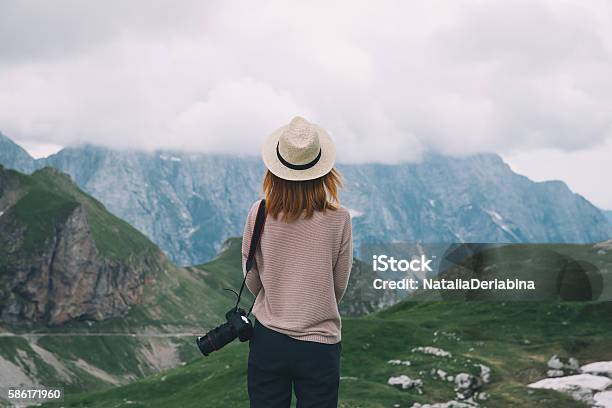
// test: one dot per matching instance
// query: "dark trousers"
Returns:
(278, 363)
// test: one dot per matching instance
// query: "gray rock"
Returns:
(554, 373)
(64, 277)
(434, 351)
(559, 368)
(555, 363)
(485, 373)
(602, 368)
(581, 387)
(448, 404)
(406, 383)
(466, 385)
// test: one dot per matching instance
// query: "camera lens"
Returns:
(216, 338)
(237, 325)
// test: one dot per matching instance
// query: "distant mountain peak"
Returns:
(14, 156)
(190, 203)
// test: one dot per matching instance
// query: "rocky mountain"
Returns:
(466, 199)
(86, 300)
(63, 257)
(14, 156)
(189, 204)
(608, 214)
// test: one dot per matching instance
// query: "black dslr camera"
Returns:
(237, 325)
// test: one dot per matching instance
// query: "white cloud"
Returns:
(233, 113)
(388, 79)
(586, 172)
(38, 149)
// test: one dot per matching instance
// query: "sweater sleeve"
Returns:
(342, 269)
(253, 281)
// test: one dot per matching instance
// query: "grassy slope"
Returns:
(179, 301)
(176, 299)
(187, 299)
(49, 197)
(514, 339)
(115, 238)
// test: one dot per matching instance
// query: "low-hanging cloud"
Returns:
(390, 80)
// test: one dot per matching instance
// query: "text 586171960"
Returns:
(32, 394)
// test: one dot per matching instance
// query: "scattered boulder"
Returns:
(555, 363)
(448, 404)
(466, 385)
(604, 245)
(604, 399)
(603, 368)
(572, 364)
(555, 373)
(558, 368)
(581, 387)
(406, 383)
(484, 376)
(485, 373)
(399, 362)
(438, 373)
(435, 351)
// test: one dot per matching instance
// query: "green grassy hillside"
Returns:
(36, 205)
(514, 339)
(154, 335)
(147, 356)
(48, 196)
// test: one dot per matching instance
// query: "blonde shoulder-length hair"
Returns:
(289, 200)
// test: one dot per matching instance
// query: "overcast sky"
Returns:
(530, 80)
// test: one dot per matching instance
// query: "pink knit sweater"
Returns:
(302, 271)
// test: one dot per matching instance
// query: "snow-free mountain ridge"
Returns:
(189, 204)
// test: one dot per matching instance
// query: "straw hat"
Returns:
(299, 151)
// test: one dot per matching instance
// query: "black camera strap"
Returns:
(250, 262)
